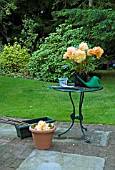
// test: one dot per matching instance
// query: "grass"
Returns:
(26, 98)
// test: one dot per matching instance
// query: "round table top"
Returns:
(70, 88)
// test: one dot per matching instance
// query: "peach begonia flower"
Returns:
(90, 52)
(71, 50)
(65, 56)
(83, 46)
(98, 51)
(41, 125)
(80, 56)
(70, 53)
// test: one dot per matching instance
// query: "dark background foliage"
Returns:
(13, 12)
(33, 24)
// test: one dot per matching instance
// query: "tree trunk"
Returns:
(90, 3)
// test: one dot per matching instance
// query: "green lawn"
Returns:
(26, 98)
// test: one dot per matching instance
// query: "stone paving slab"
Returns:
(7, 130)
(41, 160)
(97, 137)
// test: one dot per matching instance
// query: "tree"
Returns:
(7, 8)
(13, 12)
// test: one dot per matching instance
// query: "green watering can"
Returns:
(92, 83)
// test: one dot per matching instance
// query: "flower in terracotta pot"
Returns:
(42, 125)
(42, 134)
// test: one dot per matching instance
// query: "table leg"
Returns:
(72, 116)
(80, 118)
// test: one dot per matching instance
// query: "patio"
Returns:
(14, 152)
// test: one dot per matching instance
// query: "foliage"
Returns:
(14, 58)
(103, 4)
(98, 26)
(46, 62)
(13, 12)
(67, 4)
(29, 21)
(29, 34)
(80, 26)
(6, 10)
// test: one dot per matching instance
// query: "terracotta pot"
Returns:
(42, 138)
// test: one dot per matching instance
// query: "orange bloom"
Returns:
(83, 46)
(65, 56)
(70, 53)
(90, 52)
(80, 56)
(98, 51)
(42, 125)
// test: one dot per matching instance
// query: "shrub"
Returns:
(14, 58)
(46, 62)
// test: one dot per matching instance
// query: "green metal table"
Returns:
(70, 89)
